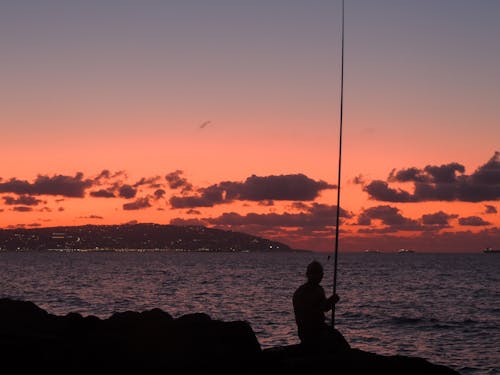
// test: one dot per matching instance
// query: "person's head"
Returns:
(314, 272)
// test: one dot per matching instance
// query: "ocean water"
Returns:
(442, 307)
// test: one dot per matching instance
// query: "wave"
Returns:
(433, 322)
(357, 315)
(400, 320)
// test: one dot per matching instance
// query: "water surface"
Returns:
(443, 307)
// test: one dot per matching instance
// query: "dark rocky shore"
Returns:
(152, 342)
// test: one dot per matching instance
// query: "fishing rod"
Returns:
(335, 258)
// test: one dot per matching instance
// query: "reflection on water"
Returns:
(441, 307)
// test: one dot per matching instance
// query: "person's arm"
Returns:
(327, 303)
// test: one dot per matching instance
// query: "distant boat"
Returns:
(370, 251)
(489, 250)
(405, 251)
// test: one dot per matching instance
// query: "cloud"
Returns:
(103, 193)
(205, 124)
(267, 203)
(489, 209)
(117, 186)
(91, 217)
(446, 182)
(193, 212)
(151, 182)
(67, 186)
(358, 180)
(407, 175)
(384, 230)
(25, 200)
(187, 222)
(439, 218)
(21, 226)
(127, 191)
(295, 187)
(160, 193)
(190, 202)
(139, 204)
(311, 228)
(389, 216)
(488, 173)
(394, 221)
(317, 215)
(380, 190)
(104, 175)
(474, 221)
(176, 181)
(445, 173)
(301, 206)
(22, 209)
(131, 222)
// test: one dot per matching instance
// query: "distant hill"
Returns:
(135, 236)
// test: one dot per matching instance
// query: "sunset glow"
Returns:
(207, 113)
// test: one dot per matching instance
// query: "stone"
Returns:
(153, 342)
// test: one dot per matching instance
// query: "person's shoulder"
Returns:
(300, 288)
(318, 289)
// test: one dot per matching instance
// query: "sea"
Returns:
(441, 307)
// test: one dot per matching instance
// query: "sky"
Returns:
(226, 114)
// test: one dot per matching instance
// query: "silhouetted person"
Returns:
(309, 305)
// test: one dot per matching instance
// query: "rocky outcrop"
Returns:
(151, 342)
(293, 360)
(129, 342)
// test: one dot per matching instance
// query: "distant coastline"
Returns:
(136, 238)
(133, 250)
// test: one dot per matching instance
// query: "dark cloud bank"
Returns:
(296, 187)
(307, 225)
(382, 227)
(489, 209)
(24, 200)
(176, 181)
(441, 183)
(66, 186)
(393, 221)
(103, 193)
(127, 191)
(317, 215)
(138, 204)
(262, 189)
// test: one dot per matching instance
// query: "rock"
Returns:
(127, 342)
(294, 360)
(151, 342)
